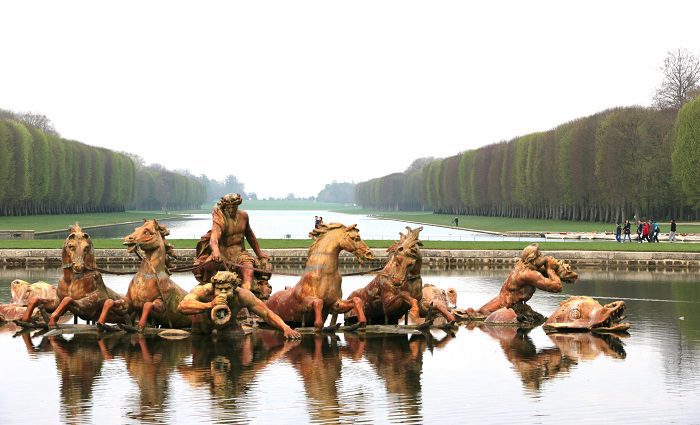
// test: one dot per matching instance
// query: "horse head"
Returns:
(149, 237)
(404, 257)
(78, 254)
(352, 242)
(346, 237)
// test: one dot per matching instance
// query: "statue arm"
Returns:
(552, 283)
(216, 231)
(191, 304)
(258, 307)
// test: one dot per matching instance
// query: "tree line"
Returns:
(42, 173)
(605, 167)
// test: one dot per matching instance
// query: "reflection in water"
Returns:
(227, 366)
(79, 362)
(537, 366)
(150, 361)
(374, 378)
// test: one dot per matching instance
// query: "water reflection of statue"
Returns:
(150, 362)
(227, 366)
(536, 366)
(398, 361)
(79, 363)
(319, 364)
(215, 306)
(225, 242)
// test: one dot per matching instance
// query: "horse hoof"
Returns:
(425, 326)
(103, 327)
(331, 329)
(355, 327)
(128, 328)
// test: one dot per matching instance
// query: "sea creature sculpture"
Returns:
(22, 293)
(532, 271)
(81, 290)
(319, 292)
(152, 293)
(586, 314)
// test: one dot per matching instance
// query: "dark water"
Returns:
(476, 376)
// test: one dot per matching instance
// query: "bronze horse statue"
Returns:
(318, 292)
(151, 291)
(398, 287)
(81, 290)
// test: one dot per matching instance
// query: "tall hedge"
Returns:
(44, 174)
(605, 167)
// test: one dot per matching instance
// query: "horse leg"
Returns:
(354, 303)
(445, 312)
(62, 307)
(315, 304)
(394, 303)
(106, 307)
(145, 311)
(158, 306)
(33, 304)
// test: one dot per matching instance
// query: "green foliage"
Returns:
(686, 155)
(604, 167)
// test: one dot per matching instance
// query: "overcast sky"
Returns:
(289, 96)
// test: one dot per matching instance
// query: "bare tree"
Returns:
(36, 120)
(681, 71)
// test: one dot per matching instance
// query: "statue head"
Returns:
(230, 202)
(225, 282)
(530, 253)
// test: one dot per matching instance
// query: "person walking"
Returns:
(456, 221)
(672, 233)
(618, 233)
(626, 229)
(640, 227)
(655, 231)
(645, 231)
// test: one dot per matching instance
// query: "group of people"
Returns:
(647, 230)
(318, 220)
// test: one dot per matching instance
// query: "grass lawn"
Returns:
(41, 223)
(502, 224)
(486, 245)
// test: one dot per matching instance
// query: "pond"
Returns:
(269, 224)
(478, 375)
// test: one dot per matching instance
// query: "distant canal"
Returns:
(269, 224)
(479, 375)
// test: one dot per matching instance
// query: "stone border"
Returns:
(431, 258)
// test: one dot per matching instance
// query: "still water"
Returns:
(475, 376)
(269, 224)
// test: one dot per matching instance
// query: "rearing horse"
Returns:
(318, 292)
(397, 287)
(151, 291)
(81, 290)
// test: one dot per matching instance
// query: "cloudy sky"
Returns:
(289, 96)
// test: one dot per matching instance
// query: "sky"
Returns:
(292, 95)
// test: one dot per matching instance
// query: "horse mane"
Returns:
(409, 242)
(322, 229)
(169, 248)
(76, 230)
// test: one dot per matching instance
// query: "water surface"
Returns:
(477, 375)
(275, 224)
